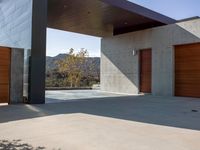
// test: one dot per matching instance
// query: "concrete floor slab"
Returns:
(109, 123)
(54, 96)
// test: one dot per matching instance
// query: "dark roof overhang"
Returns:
(102, 17)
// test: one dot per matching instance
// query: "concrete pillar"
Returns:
(27, 54)
(16, 76)
(38, 53)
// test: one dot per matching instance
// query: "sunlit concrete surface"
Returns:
(110, 123)
(53, 96)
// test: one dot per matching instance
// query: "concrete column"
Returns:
(16, 77)
(27, 54)
(38, 53)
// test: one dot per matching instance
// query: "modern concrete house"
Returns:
(141, 50)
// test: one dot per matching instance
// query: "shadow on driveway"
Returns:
(17, 145)
(167, 111)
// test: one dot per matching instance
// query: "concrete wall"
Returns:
(16, 78)
(15, 23)
(15, 32)
(27, 54)
(120, 69)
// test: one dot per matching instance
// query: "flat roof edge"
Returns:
(134, 8)
(188, 19)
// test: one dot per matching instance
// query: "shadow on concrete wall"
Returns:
(164, 37)
(124, 70)
(17, 145)
(175, 112)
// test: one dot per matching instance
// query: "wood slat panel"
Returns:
(4, 74)
(4, 96)
(187, 70)
(145, 70)
(4, 61)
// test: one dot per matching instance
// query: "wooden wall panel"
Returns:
(4, 74)
(145, 70)
(187, 70)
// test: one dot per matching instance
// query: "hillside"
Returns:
(95, 61)
(51, 61)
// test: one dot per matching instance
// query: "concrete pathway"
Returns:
(110, 123)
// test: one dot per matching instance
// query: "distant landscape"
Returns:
(90, 70)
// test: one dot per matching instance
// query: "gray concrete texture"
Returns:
(15, 23)
(27, 54)
(16, 76)
(55, 96)
(120, 69)
(109, 123)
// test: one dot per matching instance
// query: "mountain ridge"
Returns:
(51, 61)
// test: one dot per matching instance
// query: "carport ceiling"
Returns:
(102, 17)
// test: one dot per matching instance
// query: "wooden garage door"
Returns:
(4, 74)
(145, 70)
(187, 70)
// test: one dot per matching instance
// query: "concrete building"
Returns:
(173, 68)
(141, 50)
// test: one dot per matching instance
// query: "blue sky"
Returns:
(177, 9)
(61, 41)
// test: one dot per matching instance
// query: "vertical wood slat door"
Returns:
(4, 74)
(187, 70)
(145, 70)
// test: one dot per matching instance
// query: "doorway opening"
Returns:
(72, 65)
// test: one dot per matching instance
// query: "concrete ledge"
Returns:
(68, 88)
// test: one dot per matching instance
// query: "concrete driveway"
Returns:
(109, 123)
